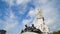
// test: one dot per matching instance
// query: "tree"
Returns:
(56, 32)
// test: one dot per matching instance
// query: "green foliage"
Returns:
(56, 32)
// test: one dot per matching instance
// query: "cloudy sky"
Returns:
(14, 14)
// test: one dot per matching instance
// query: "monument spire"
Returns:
(40, 16)
(39, 13)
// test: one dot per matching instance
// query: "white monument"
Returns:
(40, 23)
(39, 28)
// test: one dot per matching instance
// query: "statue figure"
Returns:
(2, 32)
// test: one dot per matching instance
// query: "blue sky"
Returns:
(14, 14)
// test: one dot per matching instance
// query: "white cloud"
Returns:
(16, 2)
(21, 1)
(23, 9)
(39, 3)
(10, 2)
(11, 22)
(10, 26)
(50, 14)
(33, 12)
(43, 1)
(26, 21)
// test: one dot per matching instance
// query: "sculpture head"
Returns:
(25, 25)
(32, 25)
